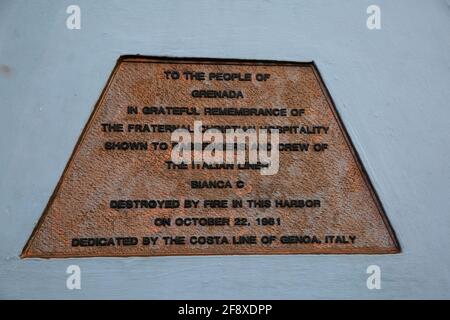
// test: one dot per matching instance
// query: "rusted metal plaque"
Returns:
(122, 195)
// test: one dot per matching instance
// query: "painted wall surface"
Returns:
(391, 86)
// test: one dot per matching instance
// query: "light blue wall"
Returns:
(391, 86)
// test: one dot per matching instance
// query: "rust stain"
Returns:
(5, 69)
(349, 219)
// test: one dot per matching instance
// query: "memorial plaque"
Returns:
(123, 193)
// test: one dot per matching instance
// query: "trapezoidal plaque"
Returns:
(122, 195)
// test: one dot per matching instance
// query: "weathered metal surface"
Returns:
(82, 218)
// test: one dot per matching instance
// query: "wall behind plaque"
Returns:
(391, 87)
